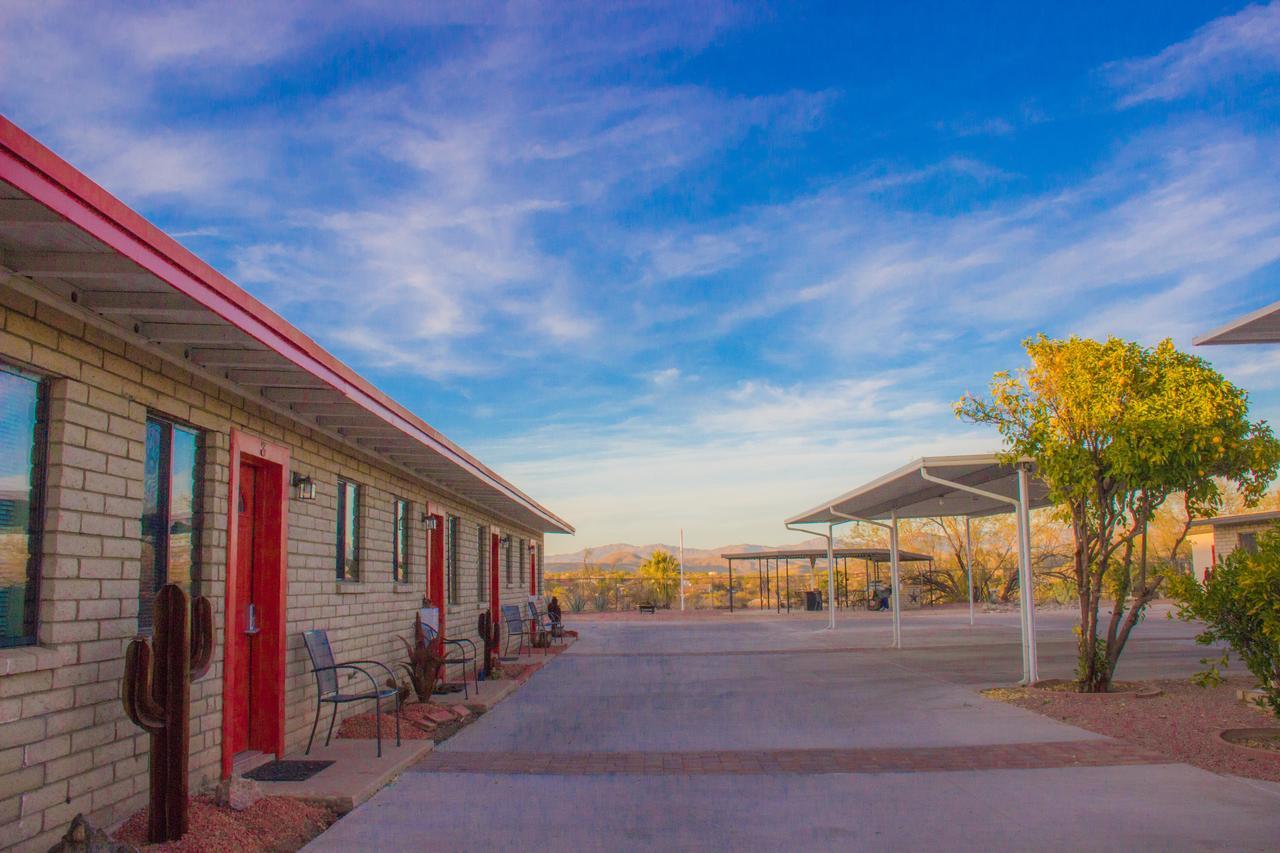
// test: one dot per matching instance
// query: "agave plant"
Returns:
(423, 665)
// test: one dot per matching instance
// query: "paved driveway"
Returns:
(761, 732)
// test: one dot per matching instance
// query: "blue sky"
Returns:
(681, 264)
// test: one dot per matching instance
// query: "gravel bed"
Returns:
(1183, 722)
(276, 824)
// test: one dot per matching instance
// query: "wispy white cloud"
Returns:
(538, 204)
(1240, 47)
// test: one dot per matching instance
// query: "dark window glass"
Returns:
(21, 470)
(400, 553)
(522, 559)
(506, 557)
(1249, 542)
(348, 562)
(169, 513)
(451, 559)
(482, 561)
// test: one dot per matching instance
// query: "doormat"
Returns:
(286, 771)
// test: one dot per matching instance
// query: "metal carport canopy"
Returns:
(909, 495)
(971, 485)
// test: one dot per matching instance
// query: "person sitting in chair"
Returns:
(553, 612)
(884, 601)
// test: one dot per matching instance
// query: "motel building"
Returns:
(158, 424)
(1214, 538)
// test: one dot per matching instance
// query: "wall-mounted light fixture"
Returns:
(506, 540)
(305, 487)
(429, 521)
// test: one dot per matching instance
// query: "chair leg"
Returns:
(377, 720)
(332, 719)
(314, 723)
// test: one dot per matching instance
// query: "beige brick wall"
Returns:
(65, 744)
(1226, 537)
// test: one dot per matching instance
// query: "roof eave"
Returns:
(37, 171)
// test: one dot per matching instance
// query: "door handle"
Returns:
(251, 621)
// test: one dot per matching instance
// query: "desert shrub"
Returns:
(1239, 602)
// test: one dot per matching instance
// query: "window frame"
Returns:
(453, 589)
(401, 550)
(482, 561)
(35, 509)
(522, 558)
(340, 505)
(1247, 542)
(162, 554)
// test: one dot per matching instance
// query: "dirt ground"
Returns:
(1182, 722)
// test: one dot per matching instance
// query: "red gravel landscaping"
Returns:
(275, 824)
(1182, 723)
(364, 726)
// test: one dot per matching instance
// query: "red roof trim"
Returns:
(37, 171)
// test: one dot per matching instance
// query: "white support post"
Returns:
(831, 577)
(897, 589)
(1026, 580)
(968, 562)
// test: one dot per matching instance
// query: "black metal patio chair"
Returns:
(516, 627)
(544, 622)
(456, 652)
(328, 690)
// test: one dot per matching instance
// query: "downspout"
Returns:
(893, 568)
(831, 583)
(1030, 673)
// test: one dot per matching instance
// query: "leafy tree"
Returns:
(662, 572)
(1239, 602)
(1116, 429)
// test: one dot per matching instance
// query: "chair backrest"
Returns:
(511, 615)
(430, 617)
(533, 612)
(318, 649)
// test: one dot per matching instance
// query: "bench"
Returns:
(647, 607)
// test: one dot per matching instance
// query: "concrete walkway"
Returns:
(769, 733)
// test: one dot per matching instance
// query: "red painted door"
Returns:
(242, 673)
(435, 568)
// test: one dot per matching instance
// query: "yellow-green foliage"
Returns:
(1239, 602)
(1115, 429)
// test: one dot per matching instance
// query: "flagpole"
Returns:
(682, 569)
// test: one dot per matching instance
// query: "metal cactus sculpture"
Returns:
(157, 697)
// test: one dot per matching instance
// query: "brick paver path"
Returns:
(1097, 753)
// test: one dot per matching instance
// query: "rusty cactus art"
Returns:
(423, 665)
(157, 697)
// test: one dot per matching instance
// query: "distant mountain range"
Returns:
(623, 556)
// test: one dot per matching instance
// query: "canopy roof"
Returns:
(878, 555)
(1260, 327)
(67, 242)
(906, 492)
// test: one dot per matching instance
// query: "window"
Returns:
(482, 561)
(522, 558)
(348, 555)
(169, 531)
(451, 559)
(506, 556)
(400, 551)
(1249, 543)
(21, 474)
